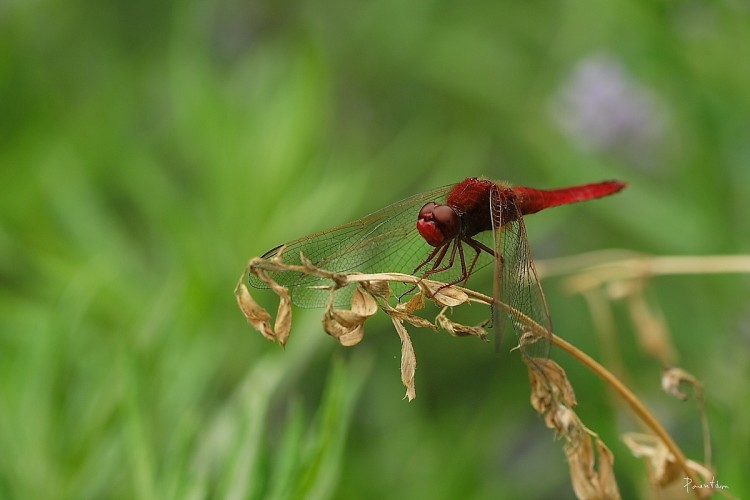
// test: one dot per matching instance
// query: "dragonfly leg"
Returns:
(440, 256)
(442, 251)
(451, 259)
(478, 247)
(456, 244)
(438, 260)
(464, 273)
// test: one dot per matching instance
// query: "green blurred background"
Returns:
(148, 150)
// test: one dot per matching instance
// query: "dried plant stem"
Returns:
(635, 403)
(632, 266)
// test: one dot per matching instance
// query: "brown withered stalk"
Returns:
(551, 394)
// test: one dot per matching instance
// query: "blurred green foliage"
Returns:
(147, 150)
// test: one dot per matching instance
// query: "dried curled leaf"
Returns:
(549, 386)
(415, 303)
(380, 289)
(673, 378)
(339, 325)
(408, 359)
(587, 481)
(348, 326)
(283, 324)
(459, 330)
(663, 468)
(259, 317)
(417, 321)
(403, 311)
(363, 303)
(651, 329)
(255, 314)
(552, 396)
(606, 462)
(444, 295)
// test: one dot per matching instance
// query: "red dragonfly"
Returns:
(445, 234)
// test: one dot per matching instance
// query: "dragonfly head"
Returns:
(438, 223)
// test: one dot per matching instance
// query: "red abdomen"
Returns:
(530, 200)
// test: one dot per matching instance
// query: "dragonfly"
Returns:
(446, 235)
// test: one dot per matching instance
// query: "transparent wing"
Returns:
(384, 241)
(516, 280)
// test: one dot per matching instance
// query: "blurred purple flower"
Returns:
(602, 108)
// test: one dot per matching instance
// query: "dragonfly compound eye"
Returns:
(437, 223)
(448, 221)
